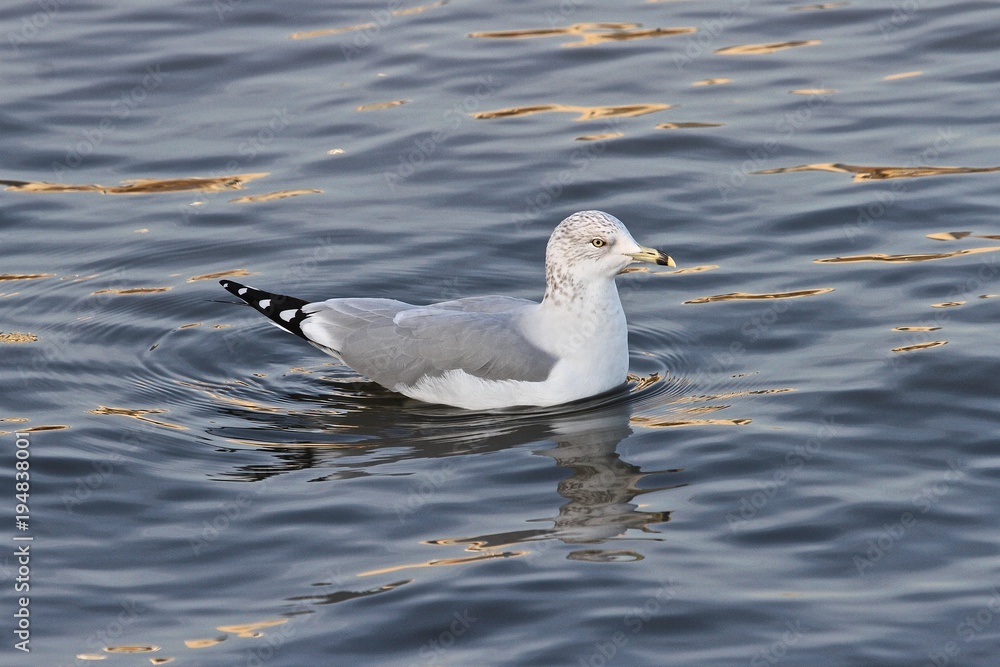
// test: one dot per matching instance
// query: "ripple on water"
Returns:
(242, 490)
(589, 33)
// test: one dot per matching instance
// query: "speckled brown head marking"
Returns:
(571, 249)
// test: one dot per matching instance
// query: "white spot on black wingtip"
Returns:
(284, 311)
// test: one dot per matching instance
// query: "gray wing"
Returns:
(396, 343)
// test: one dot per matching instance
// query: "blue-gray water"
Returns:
(805, 480)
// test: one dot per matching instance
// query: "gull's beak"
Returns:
(653, 256)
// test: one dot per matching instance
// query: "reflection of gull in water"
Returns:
(599, 492)
(488, 352)
(582, 438)
(602, 487)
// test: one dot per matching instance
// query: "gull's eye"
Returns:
(598, 243)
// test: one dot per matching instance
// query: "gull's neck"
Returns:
(569, 293)
(585, 323)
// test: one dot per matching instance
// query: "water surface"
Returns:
(801, 469)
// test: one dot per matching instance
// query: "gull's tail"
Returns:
(284, 312)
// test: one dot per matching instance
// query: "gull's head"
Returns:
(592, 244)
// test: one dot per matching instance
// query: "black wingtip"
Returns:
(284, 311)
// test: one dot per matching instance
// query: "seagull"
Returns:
(488, 352)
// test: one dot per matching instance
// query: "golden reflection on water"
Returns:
(690, 269)
(902, 75)
(589, 39)
(948, 236)
(323, 32)
(24, 276)
(229, 400)
(131, 649)
(702, 409)
(915, 328)
(139, 414)
(204, 643)
(672, 421)
(771, 47)
(40, 427)
(675, 272)
(744, 296)
(586, 113)
(239, 273)
(376, 106)
(132, 290)
(921, 257)
(251, 629)
(600, 137)
(17, 337)
(272, 196)
(588, 33)
(446, 561)
(245, 630)
(732, 394)
(920, 346)
(420, 8)
(948, 304)
(684, 126)
(643, 382)
(310, 34)
(659, 422)
(134, 186)
(862, 173)
(718, 81)
(813, 91)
